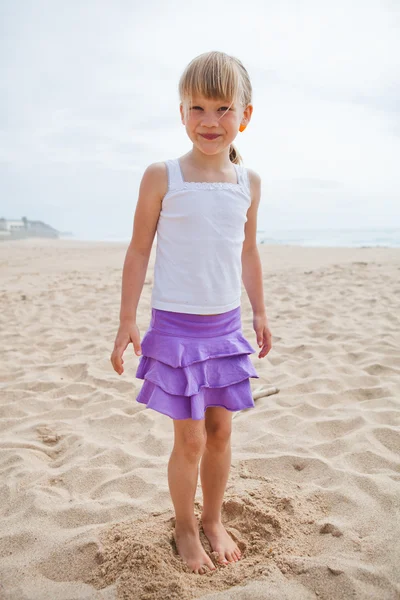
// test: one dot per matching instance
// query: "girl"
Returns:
(195, 362)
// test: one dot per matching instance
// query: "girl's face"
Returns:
(212, 125)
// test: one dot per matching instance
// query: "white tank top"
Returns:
(200, 234)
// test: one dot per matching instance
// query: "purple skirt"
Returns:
(190, 362)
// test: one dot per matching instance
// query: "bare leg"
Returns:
(214, 473)
(183, 472)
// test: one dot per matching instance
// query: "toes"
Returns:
(199, 571)
(229, 556)
(221, 558)
(204, 568)
(207, 567)
(210, 565)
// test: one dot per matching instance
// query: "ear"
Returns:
(248, 111)
(182, 113)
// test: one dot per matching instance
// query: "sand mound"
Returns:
(269, 528)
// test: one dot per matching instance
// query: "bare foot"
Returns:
(191, 551)
(221, 542)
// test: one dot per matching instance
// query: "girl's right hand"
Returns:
(127, 333)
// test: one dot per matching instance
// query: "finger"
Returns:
(136, 344)
(118, 351)
(265, 349)
(117, 362)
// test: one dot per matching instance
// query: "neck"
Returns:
(217, 162)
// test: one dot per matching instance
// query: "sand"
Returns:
(313, 496)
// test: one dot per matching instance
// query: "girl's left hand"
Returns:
(263, 333)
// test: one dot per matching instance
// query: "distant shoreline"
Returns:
(78, 242)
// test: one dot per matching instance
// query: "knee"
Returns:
(218, 437)
(191, 446)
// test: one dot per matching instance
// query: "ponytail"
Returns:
(234, 155)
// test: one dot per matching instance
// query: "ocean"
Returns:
(350, 238)
(342, 238)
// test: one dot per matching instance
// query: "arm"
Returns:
(153, 188)
(151, 192)
(252, 268)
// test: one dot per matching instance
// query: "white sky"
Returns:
(89, 99)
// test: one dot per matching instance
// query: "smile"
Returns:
(210, 136)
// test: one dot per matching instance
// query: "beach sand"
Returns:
(313, 496)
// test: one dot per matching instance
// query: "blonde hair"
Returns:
(216, 75)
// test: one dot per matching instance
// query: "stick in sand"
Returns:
(260, 393)
(264, 391)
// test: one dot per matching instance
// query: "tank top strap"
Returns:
(175, 179)
(243, 177)
(176, 182)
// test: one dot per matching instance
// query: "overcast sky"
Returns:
(89, 99)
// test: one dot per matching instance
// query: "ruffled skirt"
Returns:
(190, 362)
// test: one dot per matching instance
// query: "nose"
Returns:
(210, 119)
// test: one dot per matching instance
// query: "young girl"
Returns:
(195, 362)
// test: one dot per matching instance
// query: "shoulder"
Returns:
(255, 184)
(156, 175)
(157, 171)
(254, 178)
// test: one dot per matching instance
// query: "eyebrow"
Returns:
(219, 102)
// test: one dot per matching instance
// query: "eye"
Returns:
(223, 108)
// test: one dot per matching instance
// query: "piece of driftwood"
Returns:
(264, 391)
(259, 393)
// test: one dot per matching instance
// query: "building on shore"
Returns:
(15, 229)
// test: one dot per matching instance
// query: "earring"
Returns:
(242, 127)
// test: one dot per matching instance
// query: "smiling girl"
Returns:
(194, 358)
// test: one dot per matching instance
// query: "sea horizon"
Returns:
(388, 237)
